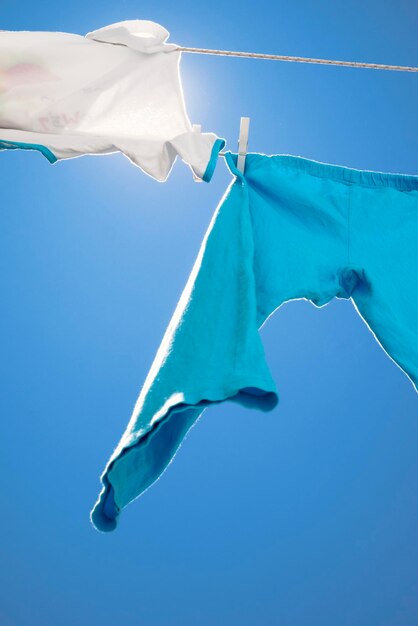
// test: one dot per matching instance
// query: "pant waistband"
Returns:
(366, 178)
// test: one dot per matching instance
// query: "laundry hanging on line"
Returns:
(116, 89)
(290, 228)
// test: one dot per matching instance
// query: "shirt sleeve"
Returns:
(211, 352)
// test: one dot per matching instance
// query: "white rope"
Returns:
(277, 57)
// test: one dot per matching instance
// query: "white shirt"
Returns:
(116, 89)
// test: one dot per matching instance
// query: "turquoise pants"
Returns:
(290, 228)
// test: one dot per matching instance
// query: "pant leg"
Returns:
(384, 249)
(211, 352)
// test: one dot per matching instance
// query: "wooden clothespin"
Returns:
(243, 143)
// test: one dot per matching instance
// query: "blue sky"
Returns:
(305, 515)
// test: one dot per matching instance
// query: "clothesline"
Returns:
(277, 57)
